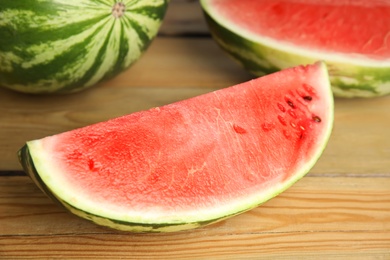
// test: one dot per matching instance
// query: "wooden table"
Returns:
(340, 210)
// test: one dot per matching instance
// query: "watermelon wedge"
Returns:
(352, 37)
(193, 162)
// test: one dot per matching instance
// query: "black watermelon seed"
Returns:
(316, 119)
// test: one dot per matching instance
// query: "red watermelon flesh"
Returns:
(319, 25)
(196, 160)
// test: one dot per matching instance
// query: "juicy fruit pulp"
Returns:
(58, 46)
(193, 162)
(269, 35)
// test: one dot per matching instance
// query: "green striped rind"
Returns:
(67, 45)
(349, 77)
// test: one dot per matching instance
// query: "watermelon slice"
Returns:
(190, 163)
(352, 37)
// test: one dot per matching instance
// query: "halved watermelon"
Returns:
(352, 37)
(193, 162)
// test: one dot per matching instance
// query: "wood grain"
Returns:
(341, 217)
(340, 210)
(184, 17)
(359, 144)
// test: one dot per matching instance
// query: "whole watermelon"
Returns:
(63, 46)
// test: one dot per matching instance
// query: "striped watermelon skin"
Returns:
(63, 46)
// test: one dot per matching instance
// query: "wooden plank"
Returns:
(179, 63)
(184, 17)
(359, 143)
(321, 245)
(318, 216)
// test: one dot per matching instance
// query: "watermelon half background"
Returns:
(352, 37)
(193, 162)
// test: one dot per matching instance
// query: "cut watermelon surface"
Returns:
(352, 37)
(193, 162)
